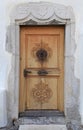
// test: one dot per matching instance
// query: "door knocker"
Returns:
(41, 54)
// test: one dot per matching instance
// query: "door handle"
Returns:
(42, 72)
(26, 72)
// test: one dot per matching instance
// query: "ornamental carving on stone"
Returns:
(42, 93)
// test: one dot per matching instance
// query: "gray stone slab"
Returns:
(42, 127)
(41, 121)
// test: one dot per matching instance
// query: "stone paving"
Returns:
(42, 121)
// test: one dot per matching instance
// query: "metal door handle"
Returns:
(26, 72)
(42, 72)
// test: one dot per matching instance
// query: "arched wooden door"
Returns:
(41, 68)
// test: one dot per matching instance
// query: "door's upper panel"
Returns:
(41, 51)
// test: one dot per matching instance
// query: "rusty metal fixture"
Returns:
(26, 72)
(42, 72)
(41, 54)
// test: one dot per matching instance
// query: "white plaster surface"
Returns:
(3, 109)
(4, 60)
(42, 127)
(6, 7)
(81, 75)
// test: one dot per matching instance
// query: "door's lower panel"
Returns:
(41, 113)
(41, 93)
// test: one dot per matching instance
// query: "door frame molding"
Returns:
(43, 13)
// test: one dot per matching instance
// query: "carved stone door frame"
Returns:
(43, 13)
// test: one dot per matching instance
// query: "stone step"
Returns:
(40, 120)
(42, 127)
(41, 113)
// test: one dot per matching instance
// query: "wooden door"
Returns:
(41, 68)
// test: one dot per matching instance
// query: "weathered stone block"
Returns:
(42, 127)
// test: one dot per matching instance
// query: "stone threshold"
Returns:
(42, 127)
(41, 113)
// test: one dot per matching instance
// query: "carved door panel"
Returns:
(41, 68)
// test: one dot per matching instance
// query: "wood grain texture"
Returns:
(51, 86)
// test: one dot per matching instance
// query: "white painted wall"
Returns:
(4, 61)
(6, 7)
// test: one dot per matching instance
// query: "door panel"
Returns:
(41, 93)
(41, 68)
(34, 43)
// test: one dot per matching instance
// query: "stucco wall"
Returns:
(5, 58)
